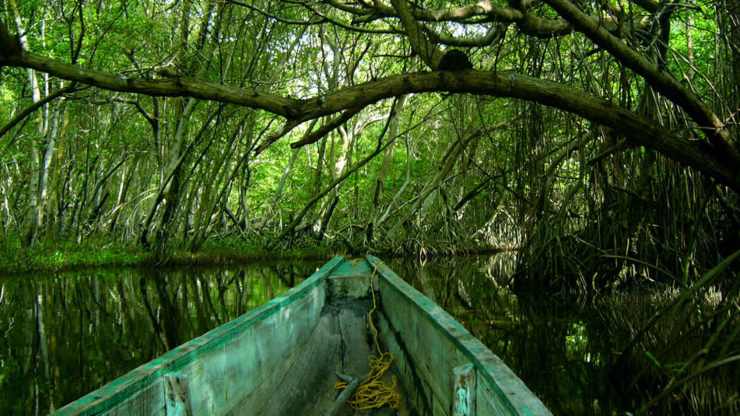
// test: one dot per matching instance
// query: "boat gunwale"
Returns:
(473, 348)
(116, 391)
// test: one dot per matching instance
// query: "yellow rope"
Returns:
(374, 393)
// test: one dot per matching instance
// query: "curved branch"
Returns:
(378, 150)
(166, 87)
(314, 136)
(495, 33)
(484, 9)
(639, 130)
(351, 27)
(269, 140)
(659, 79)
(427, 50)
(274, 16)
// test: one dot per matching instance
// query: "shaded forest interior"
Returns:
(597, 141)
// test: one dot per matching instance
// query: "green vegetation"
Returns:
(68, 256)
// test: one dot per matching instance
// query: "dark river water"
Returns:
(64, 335)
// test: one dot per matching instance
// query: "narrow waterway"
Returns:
(64, 335)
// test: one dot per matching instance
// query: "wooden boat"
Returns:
(284, 357)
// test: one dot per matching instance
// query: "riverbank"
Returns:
(66, 256)
(70, 256)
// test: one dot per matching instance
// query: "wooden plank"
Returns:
(147, 401)
(418, 393)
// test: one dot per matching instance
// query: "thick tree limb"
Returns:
(169, 87)
(661, 80)
(639, 130)
(477, 12)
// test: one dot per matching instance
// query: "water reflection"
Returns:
(68, 334)
(567, 351)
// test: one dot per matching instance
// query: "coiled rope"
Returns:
(373, 392)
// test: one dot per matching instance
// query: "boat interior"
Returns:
(335, 356)
(352, 339)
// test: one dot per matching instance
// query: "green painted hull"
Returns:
(281, 358)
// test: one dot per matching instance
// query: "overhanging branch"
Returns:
(634, 127)
(658, 78)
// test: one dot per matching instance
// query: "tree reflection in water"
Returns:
(65, 335)
(567, 350)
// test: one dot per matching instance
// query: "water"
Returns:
(569, 351)
(67, 334)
